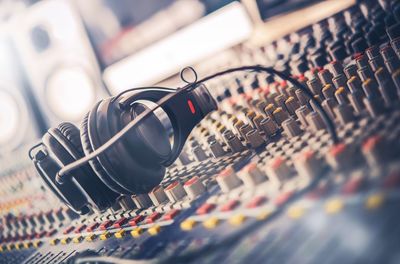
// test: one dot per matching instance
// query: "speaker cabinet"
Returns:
(19, 120)
(59, 60)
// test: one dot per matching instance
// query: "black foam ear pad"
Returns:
(71, 132)
(69, 138)
(94, 163)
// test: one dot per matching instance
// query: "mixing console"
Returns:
(260, 180)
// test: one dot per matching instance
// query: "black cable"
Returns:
(256, 68)
(141, 88)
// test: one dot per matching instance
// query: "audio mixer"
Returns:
(261, 179)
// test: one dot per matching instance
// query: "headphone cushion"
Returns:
(94, 163)
(71, 132)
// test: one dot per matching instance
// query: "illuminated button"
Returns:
(175, 191)
(136, 232)
(37, 243)
(92, 227)
(153, 217)
(19, 246)
(188, 224)
(51, 232)
(334, 206)
(392, 180)
(205, 208)
(10, 247)
(106, 225)
(120, 222)
(106, 235)
(136, 220)
(319, 191)
(41, 234)
(54, 241)
(264, 215)
(229, 206)
(65, 240)
(194, 187)
(237, 219)
(154, 230)
(256, 201)
(227, 180)
(120, 233)
(354, 184)
(77, 239)
(374, 201)
(28, 244)
(283, 198)
(79, 229)
(91, 237)
(211, 223)
(171, 215)
(68, 230)
(295, 212)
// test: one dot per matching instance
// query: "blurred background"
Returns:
(58, 57)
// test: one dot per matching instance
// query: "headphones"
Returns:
(122, 147)
(136, 162)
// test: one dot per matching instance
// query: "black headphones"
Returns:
(135, 163)
(126, 145)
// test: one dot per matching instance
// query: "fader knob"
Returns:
(326, 77)
(227, 180)
(301, 97)
(292, 105)
(157, 195)
(344, 113)
(251, 175)
(336, 67)
(377, 151)
(350, 70)
(216, 149)
(301, 114)
(141, 200)
(126, 202)
(291, 127)
(386, 86)
(341, 156)
(269, 126)
(277, 170)
(254, 139)
(315, 86)
(308, 165)
(175, 191)
(280, 115)
(233, 141)
(194, 187)
(315, 121)
(199, 153)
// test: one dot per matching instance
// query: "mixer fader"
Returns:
(260, 180)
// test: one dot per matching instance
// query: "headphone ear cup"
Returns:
(94, 163)
(69, 137)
